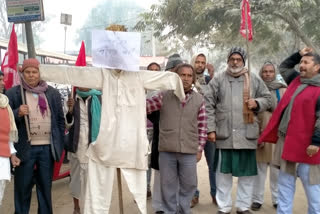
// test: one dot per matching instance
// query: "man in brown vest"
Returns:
(183, 134)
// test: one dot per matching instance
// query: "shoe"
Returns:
(244, 212)
(194, 201)
(220, 212)
(214, 200)
(76, 211)
(275, 206)
(66, 160)
(255, 206)
(149, 195)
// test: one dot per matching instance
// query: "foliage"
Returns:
(280, 26)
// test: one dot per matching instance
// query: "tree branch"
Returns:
(295, 26)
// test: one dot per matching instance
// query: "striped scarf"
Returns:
(248, 116)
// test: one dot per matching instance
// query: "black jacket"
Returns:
(74, 130)
(57, 122)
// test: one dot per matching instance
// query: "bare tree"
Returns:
(4, 25)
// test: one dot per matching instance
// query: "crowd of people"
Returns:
(244, 123)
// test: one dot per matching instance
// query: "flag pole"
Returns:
(247, 38)
(247, 41)
(24, 103)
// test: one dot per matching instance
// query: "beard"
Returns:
(199, 71)
(235, 70)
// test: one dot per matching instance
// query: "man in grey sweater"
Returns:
(233, 98)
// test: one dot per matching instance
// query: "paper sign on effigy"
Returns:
(112, 49)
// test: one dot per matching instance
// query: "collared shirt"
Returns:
(155, 103)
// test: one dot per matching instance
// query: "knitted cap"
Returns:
(173, 61)
(1, 73)
(32, 62)
(238, 50)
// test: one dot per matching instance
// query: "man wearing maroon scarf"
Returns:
(43, 111)
(295, 128)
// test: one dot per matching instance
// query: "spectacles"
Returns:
(235, 59)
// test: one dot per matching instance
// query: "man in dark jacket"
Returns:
(199, 63)
(2, 90)
(38, 151)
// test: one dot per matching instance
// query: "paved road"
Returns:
(62, 201)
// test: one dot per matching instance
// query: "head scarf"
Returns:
(200, 78)
(274, 84)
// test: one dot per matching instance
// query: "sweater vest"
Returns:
(301, 124)
(4, 133)
(179, 124)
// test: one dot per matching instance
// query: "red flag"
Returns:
(245, 11)
(81, 60)
(10, 61)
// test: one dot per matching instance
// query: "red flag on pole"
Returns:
(246, 23)
(10, 61)
(81, 60)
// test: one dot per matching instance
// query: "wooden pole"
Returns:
(24, 103)
(247, 44)
(247, 39)
(120, 190)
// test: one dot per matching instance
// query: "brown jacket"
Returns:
(264, 155)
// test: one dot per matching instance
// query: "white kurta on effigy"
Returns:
(122, 140)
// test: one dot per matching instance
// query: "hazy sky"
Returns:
(53, 35)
